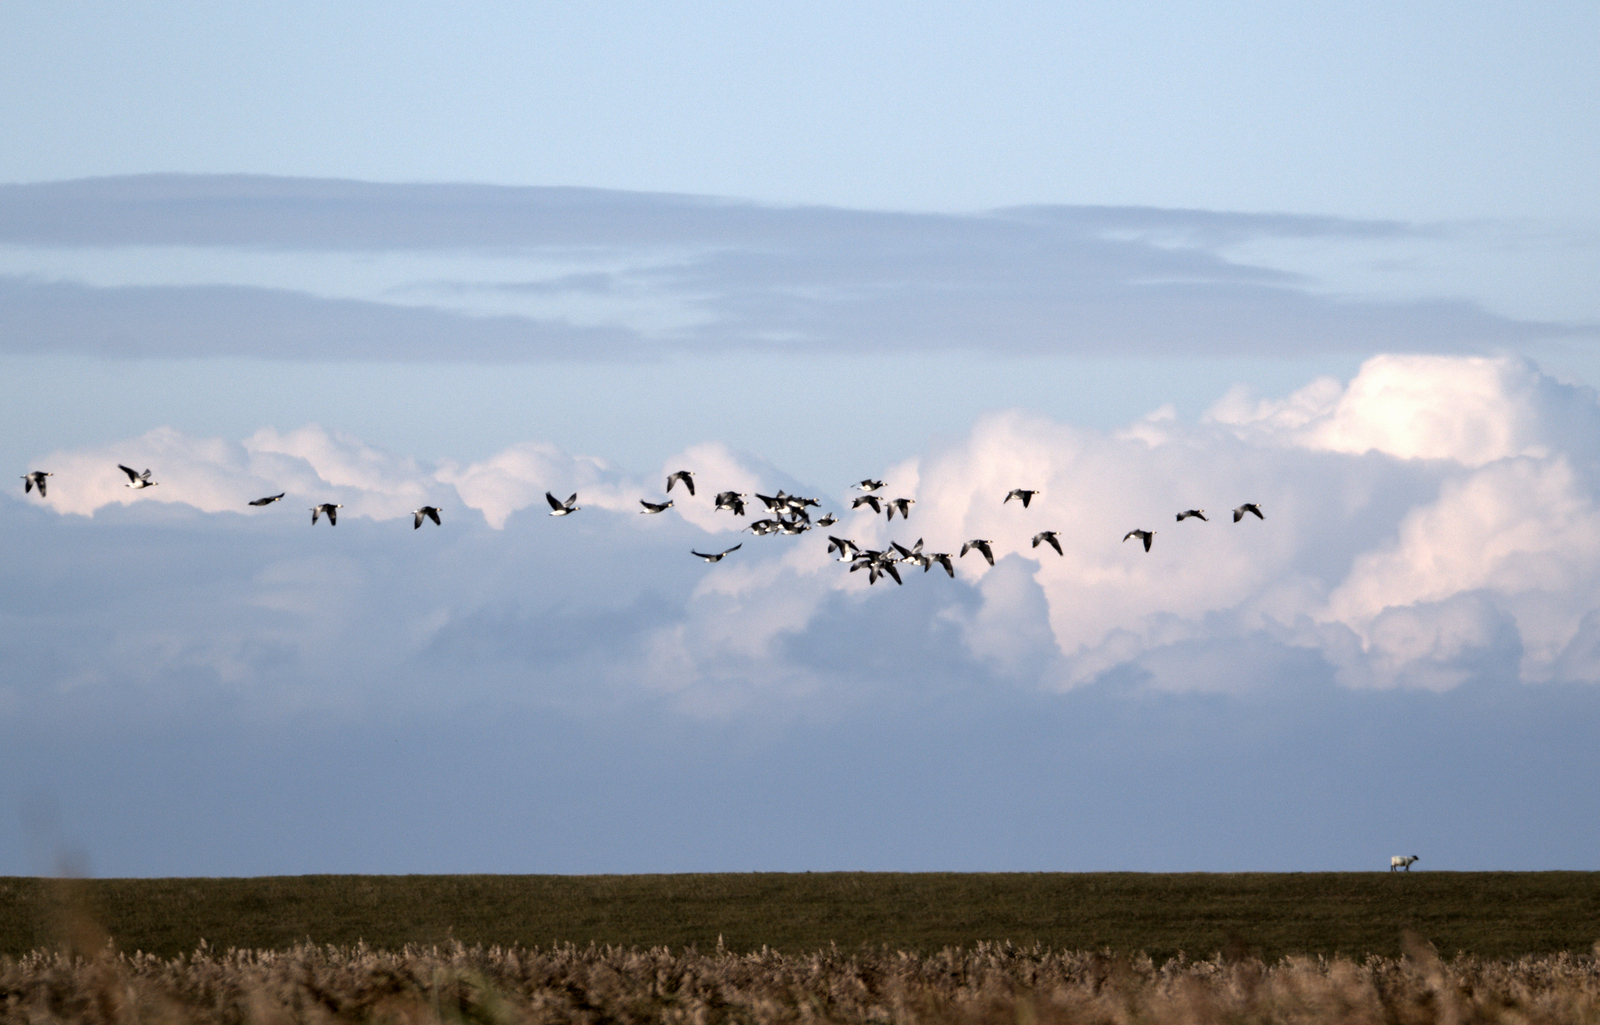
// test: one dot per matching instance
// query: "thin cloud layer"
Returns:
(1430, 523)
(677, 274)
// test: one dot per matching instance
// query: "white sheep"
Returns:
(1401, 861)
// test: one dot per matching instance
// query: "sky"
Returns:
(1140, 257)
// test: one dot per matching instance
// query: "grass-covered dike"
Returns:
(1493, 915)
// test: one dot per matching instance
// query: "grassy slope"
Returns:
(1498, 914)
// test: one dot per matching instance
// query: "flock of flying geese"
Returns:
(789, 514)
(786, 514)
(137, 480)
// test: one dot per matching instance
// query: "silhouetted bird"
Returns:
(1196, 513)
(35, 479)
(269, 499)
(329, 508)
(717, 557)
(1248, 507)
(979, 545)
(428, 511)
(137, 480)
(1022, 493)
(1144, 535)
(687, 476)
(1050, 537)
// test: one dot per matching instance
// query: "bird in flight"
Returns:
(1048, 536)
(828, 520)
(845, 547)
(871, 500)
(137, 480)
(718, 556)
(1196, 513)
(269, 499)
(653, 507)
(943, 559)
(1144, 535)
(981, 546)
(428, 512)
(903, 505)
(34, 479)
(560, 508)
(1022, 493)
(1248, 507)
(326, 507)
(868, 485)
(687, 476)
(731, 500)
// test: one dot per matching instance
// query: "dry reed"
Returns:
(994, 983)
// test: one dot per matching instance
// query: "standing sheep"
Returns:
(1401, 861)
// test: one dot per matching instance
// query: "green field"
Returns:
(1488, 914)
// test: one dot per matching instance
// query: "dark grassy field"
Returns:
(1488, 914)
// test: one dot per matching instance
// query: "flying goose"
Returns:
(429, 511)
(560, 508)
(1048, 536)
(979, 545)
(1144, 535)
(1248, 507)
(844, 546)
(269, 499)
(717, 557)
(1197, 513)
(1022, 493)
(943, 559)
(651, 507)
(871, 500)
(35, 478)
(326, 507)
(731, 500)
(687, 476)
(137, 480)
(868, 485)
(902, 504)
(828, 520)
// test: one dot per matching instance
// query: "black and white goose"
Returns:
(269, 499)
(560, 508)
(847, 549)
(430, 512)
(981, 546)
(902, 505)
(1022, 493)
(828, 520)
(731, 500)
(35, 479)
(329, 508)
(137, 480)
(943, 559)
(868, 485)
(1248, 507)
(1144, 535)
(651, 508)
(687, 476)
(1049, 537)
(913, 556)
(718, 556)
(867, 500)
(1199, 514)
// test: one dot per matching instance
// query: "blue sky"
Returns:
(1141, 257)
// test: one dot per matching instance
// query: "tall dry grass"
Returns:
(994, 983)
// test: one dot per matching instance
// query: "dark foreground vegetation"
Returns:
(997, 984)
(1268, 915)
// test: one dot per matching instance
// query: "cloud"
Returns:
(699, 276)
(1430, 524)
